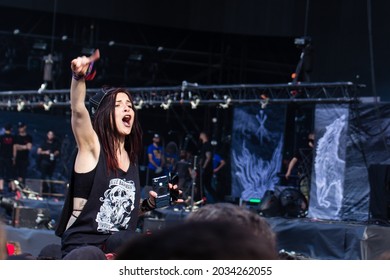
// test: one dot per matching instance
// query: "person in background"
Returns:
(21, 152)
(155, 159)
(171, 158)
(7, 141)
(48, 153)
(185, 173)
(218, 181)
(206, 167)
(218, 163)
(303, 158)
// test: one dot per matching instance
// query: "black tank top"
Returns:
(112, 206)
(84, 182)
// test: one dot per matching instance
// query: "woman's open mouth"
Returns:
(126, 120)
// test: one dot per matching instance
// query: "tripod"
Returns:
(193, 185)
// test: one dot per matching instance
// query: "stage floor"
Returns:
(331, 240)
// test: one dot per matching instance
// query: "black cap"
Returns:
(96, 100)
(21, 124)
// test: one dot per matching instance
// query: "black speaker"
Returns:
(151, 225)
(162, 218)
(379, 178)
(293, 203)
(28, 217)
(269, 205)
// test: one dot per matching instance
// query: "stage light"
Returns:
(139, 105)
(42, 88)
(16, 32)
(166, 105)
(264, 100)
(111, 43)
(227, 102)
(20, 105)
(195, 103)
(47, 103)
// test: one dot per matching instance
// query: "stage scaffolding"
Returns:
(194, 95)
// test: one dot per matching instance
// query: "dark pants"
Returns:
(206, 184)
(6, 172)
(151, 175)
(21, 167)
(47, 170)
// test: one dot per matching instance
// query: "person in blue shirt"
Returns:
(218, 163)
(217, 182)
(155, 158)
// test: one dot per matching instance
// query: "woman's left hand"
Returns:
(175, 193)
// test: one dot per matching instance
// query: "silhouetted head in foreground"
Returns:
(246, 220)
(198, 241)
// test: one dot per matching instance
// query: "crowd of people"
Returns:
(203, 169)
(16, 156)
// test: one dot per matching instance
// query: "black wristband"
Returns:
(88, 76)
(77, 77)
(147, 205)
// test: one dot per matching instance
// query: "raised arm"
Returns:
(86, 138)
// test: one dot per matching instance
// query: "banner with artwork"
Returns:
(256, 153)
(351, 139)
(327, 181)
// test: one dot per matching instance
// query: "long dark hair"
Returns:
(104, 125)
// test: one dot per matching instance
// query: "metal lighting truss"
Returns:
(193, 94)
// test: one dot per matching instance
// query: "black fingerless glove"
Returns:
(147, 205)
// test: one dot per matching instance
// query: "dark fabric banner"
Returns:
(327, 183)
(368, 149)
(256, 153)
(351, 141)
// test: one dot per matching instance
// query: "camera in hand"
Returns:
(164, 195)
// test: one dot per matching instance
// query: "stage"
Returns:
(331, 240)
(314, 239)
